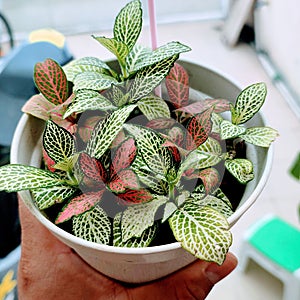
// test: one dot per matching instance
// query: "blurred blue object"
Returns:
(16, 75)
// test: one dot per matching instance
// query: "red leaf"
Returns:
(79, 205)
(177, 83)
(92, 168)
(126, 179)
(51, 81)
(134, 197)
(124, 156)
(199, 128)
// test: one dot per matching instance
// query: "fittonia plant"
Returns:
(121, 162)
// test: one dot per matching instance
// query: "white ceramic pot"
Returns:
(141, 264)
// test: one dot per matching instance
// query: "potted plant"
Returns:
(139, 181)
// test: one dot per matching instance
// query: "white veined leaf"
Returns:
(93, 225)
(211, 151)
(154, 107)
(216, 120)
(67, 164)
(149, 144)
(248, 103)
(58, 142)
(149, 77)
(137, 54)
(202, 231)
(169, 209)
(88, 100)
(213, 202)
(143, 216)
(106, 131)
(46, 197)
(147, 177)
(240, 168)
(118, 48)
(143, 241)
(128, 24)
(14, 178)
(260, 136)
(85, 64)
(93, 81)
(162, 53)
(229, 130)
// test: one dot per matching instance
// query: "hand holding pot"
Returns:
(50, 270)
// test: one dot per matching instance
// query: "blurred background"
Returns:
(248, 41)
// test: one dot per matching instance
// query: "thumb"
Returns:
(192, 282)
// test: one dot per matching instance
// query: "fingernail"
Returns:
(213, 273)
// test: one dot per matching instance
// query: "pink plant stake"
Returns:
(153, 33)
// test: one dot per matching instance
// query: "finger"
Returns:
(193, 282)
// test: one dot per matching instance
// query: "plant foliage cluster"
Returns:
(120, 160)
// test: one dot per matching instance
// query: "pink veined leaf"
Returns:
(85, 130)
(134, 197)
(199, 128)
(220, 105)
(126, 179)
(161, 123)
(79, 205)
(48, 161)
(92, 168)
(38, 106)
(177, 83)
(124, 156)
(51, 81)
(210, 178)
(176, 135)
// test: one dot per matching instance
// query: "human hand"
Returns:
(49, 270)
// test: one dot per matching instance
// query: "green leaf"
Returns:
(88, 100)
(128, 24)
(118, 48)
(14, 178)
(248, 103)
(202, 231)
(58, 142)
(160, 54)
(154, 107)
(295, 168)
(143, 241)
(51, 81)
(150, 77)
(46, 197)
(85, 64)
(93, 226)
(229, 130)
(143, 216)
(93, 81)
(260, 136)
(240, 168)
(106, 131)
(149, 143)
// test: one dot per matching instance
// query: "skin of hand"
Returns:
(49, 270)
